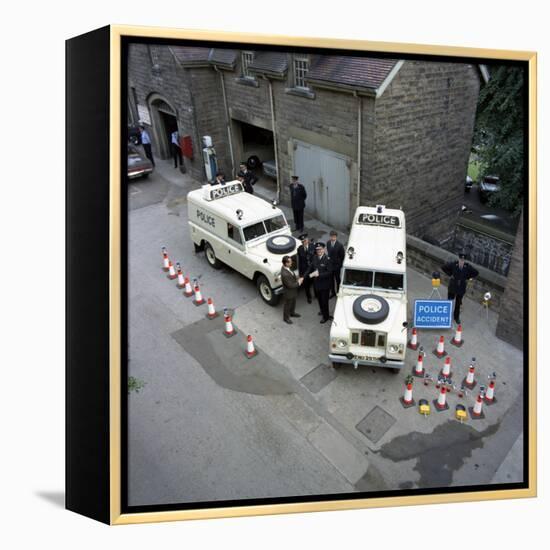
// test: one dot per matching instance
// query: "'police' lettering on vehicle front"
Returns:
(206, 218)
(378, 219)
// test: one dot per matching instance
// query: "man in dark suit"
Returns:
(249, 179)
(298, 196)
(336, 253)
(306, 251)
(291, 283)
(320, 271)
(459, 272)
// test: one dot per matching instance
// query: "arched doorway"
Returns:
(164, 120)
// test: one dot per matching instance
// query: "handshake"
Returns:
(300, 280)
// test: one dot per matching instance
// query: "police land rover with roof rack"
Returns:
(370, 317)
(244, 232)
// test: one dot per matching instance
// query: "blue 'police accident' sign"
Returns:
(433, 313)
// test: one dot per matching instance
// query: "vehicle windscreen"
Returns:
(388, 281)
(357, 277)
(275, 223)
(254, 231)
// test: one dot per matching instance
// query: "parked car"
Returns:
(139, 166)
(488, 186)
(269, 168)
(468, 184)
(133, 135)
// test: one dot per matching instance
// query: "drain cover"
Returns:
(315, 380)
(376, 424)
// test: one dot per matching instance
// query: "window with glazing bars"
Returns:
(247, 58)
(301, 66)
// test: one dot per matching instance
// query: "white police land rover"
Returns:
(244, 232)
(369, 326)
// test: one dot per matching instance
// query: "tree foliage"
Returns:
(499, 134)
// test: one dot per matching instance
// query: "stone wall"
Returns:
(510, 322)
(423, 126)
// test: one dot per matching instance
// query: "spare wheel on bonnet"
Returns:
(281, 244)
(370, 309)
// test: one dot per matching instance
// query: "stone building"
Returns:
(356, 130)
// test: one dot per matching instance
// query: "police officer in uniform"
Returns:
(298, 196)
(306, 251)
(336, 252)
(320, 271)
(291, 283)
(249, 179)
(459, 272)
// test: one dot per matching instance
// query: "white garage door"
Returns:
(326, 177)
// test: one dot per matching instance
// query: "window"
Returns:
(274, 224)
(301, 66)
(254, 231)
(388, 281)
(246, 59)
(356, 277)
(234, 233)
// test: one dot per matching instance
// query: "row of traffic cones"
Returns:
(188, 291)
(440, 404)
(440, 347)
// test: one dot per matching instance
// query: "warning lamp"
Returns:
(239, 214)
(399, 257)
(379, 208)
(274, 203)
(436, 279)
(351, 252)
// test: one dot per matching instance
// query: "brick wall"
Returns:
(418, 155)
(510, 322)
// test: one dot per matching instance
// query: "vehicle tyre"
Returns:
(145, 176)
(253, 162)
(266, 292)
(281, 244)
(211, 256)
(370, 309)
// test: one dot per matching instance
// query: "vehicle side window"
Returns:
(234, 233)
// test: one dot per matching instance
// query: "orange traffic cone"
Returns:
(439, 351)
(476, 412)
(212, 313)
(407, 399)
(469, 381)
(250, 349)
(171, 271)
(440, 403)
(165, 260)
(199, 300)
(413, 342)
(418, 369)
(188, 292)
(446, 370)
(229, 329)
(490, 395)
(457, 339)
(181, 280)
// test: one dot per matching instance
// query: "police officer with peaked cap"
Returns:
(336, 252)
(320, 271)
(459, 272)
(306, 252)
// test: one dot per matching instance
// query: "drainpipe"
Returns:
(275, 140)
(228, 121)
(359, 140)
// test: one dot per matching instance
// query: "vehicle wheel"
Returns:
(281, 244)
(145, 176)
(370, 309)
(253, 162)
(266, 292)
(211, 256)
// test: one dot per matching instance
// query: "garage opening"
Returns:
(164, 123)
(258, 151)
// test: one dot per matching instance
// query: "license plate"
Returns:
(364, 358)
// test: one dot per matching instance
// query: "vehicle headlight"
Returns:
(342, 343)
(394, 348)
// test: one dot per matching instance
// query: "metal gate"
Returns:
(326, 177)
